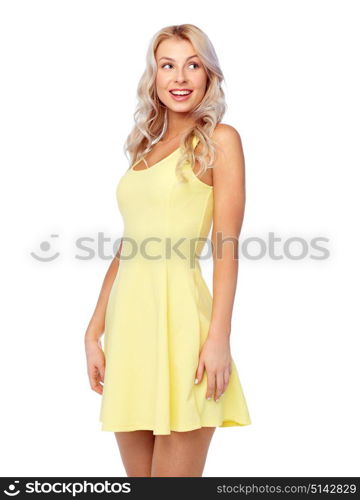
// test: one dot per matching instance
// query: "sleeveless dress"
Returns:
(159, 309)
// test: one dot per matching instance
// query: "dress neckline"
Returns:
(155, 164)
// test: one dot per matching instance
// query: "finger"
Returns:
(226, 379)
(219, 385)
(210, 385)
(102, 373)
(199, 372)
(95, 381)
(96, 386)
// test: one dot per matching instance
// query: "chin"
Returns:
(179, 108)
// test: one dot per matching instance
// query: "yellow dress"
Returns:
(159, 309)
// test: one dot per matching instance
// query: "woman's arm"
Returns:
(229, 206)
(94, 354)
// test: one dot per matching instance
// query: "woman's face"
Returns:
(179, 68)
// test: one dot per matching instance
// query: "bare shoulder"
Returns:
(229, 150)
(224, 132)
(229, 162)
(228, 180)
(227, 139)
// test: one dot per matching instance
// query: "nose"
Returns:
(180, 76)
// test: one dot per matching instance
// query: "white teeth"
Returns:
(180, 92)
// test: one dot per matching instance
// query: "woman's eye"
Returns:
(169, 64)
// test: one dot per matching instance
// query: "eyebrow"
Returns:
(171, 59)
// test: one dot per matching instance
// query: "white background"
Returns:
(68, 93)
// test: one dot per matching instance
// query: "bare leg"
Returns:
(181, 454)
(136, 450)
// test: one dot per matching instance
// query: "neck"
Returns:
(178, 123)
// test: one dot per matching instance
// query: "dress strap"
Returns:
(138, 161)
(195, 141)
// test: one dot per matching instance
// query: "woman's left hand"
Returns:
(215, 358)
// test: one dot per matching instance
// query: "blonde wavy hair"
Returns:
(150, 117)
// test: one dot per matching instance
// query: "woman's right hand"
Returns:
(95, 364)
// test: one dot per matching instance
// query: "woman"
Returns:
(166, 375)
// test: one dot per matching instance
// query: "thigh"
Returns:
(136, 450)
(181, 454)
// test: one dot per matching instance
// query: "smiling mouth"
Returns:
(180, 92)
(180, 95)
